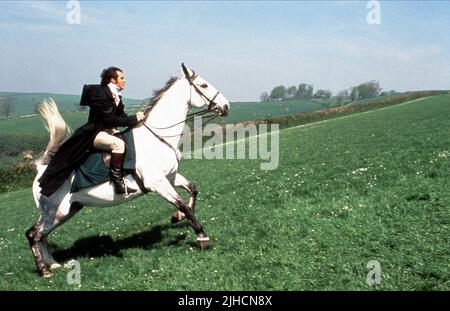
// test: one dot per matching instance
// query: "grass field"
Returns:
(370, 186)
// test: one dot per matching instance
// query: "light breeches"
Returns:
(107, 142)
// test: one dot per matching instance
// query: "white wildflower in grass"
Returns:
(360, 170)
(444, 154)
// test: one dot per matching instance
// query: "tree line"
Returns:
(306, 91)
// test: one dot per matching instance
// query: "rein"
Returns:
(212, 107)
(190, 117)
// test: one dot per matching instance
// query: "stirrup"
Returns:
(126, 190)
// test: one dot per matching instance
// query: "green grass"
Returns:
(371, 186)
(35, 124)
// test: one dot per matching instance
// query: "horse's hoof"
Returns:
(177, 217)
(54, 266)
(204, 242)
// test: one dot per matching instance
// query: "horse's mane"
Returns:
(157, 94)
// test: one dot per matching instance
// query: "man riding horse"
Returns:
(106, 113)
(156, 152)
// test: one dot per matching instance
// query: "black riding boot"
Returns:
(116, 174)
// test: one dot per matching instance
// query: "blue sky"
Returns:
(242, 48)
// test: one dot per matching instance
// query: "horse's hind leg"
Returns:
(34, 236)
(37, 236)
(46, 253)
(165, 189)
(62, 215)
(183, 182)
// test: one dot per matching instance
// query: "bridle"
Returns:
(212, 107)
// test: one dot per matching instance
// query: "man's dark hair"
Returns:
(108, 74)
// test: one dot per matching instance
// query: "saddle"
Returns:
(95, 169)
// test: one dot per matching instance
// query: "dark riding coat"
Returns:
(103, 114)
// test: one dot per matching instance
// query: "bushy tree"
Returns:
(291, 91)
(366, 90)
(354, 95)
(305, 91)
(302, 91)
(309, 91)
(369, 89)
(264, 97)
(278, 92)
(324, 94)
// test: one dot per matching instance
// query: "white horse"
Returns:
(157, 157)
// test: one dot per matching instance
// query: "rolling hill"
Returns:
(369, 186)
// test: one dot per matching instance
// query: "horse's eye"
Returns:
(204, 85)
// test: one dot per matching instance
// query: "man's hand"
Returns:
(140, 116)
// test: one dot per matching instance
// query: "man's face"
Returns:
(120, 81)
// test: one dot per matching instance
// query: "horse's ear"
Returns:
(185, 71)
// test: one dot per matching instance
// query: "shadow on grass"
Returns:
(100, 246)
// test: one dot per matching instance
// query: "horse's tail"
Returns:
(56, 126)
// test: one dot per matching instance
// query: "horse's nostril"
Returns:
(225, 111)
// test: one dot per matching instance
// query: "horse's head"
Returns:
(205, 95)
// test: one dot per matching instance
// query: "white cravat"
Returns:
(116, 92)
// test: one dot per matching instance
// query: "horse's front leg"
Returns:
(166, 190)
(183, 182)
